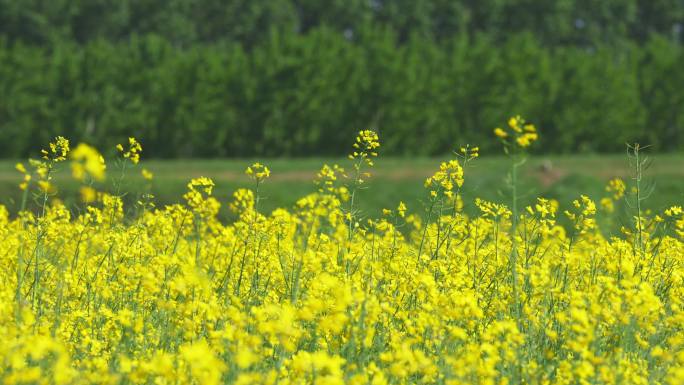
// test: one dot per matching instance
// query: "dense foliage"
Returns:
(318, 294)
(186, 22)
(240, 78)
(304, 94)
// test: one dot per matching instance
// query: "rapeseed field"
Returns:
(320, 293)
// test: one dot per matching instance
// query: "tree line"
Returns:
(282, 78)
(186, 22)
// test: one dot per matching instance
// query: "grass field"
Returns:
(394, 179)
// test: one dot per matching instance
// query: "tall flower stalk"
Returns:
(516, 138)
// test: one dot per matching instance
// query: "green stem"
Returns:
(514, 245)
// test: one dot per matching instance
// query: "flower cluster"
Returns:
(616, 190)
(199, 196)
(449, 176)
(675, 214)
(327, 177)
(493, 210)
(58, 150)
(258, 172)
(366, 146)
(173, 295)
(469, 153)
(132, 152)
(616, 187)
(26, 176)
(87, 161)
(147, 174)
(519, 132)
(582, 215)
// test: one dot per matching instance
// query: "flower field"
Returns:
(322, 293)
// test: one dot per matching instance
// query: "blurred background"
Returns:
(292, 81)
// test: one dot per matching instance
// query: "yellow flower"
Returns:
(88, 194)
(617, 187)
(147, 174)
(245, 358)
(523, 133)
(491, 209)
(133, 152)
(401, 209)
(258, 172)
(674, 211)
(470, 153)
(365, 147)
(583, 215)
(449, 176)
(514, 123)
(526, 139)
(24, 184)
(58, 150)
(500, 133)
(205, 368)
(607, 205)
(45, 186)
(86, 160)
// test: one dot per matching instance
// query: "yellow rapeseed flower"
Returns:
(86, 160)
(133, 152)
(147, 174)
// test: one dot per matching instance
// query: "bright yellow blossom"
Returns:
(133, 152)
(86, 160)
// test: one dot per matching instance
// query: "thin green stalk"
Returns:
(514, 246)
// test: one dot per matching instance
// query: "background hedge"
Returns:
(243, 78)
